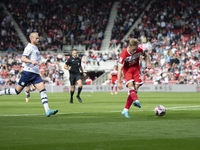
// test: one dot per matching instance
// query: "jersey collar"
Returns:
(128, 51)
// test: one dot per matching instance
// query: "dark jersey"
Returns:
(75, 63)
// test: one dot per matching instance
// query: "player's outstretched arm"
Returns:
(119, 77)
(147, 60)
(81, 68)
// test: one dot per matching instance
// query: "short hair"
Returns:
(133, 42)
(32, 34)
(74, 49)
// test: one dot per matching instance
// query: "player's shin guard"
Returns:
(129, 102)
(133, 94)
(10, 91)
(44, 99)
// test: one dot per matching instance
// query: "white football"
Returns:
(160, 110)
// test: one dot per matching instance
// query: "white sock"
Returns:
(27, 94)
(125, 109)
(44, 100)
(9, 91)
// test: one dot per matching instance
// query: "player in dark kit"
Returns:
(73, 64)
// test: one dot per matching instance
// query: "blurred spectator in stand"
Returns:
(88, 81)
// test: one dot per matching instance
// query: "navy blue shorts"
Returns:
(28, 78)
(29, 84)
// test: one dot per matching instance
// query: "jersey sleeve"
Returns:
(68, 62)
(79, 62)
(27, 51)
(122, 59)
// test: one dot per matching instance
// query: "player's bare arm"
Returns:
(119, 77)
(147, 60)
(26, 60)
(81, 68)
(67, 67)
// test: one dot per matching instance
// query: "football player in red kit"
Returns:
(129, 64)
(114, 79)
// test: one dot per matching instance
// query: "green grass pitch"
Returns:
(97, 123)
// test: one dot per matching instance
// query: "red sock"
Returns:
(111, 87)
(129, 102)
(133, 95)
(115, 88)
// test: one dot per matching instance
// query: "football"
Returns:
(160, 110)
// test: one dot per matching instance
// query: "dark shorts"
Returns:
(29, 84)
(74, 77)
(28, 78)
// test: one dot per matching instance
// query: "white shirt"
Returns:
(32, 52)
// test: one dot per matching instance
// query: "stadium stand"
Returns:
(63, 22)
(127, 13)
(169, 32)
(10, 41)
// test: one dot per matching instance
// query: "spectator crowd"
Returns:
(169, 32)
(61, 22)
(10, 41)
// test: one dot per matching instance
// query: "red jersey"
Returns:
(114, 75)
(127, 60)
(114, 72)
(88, 81)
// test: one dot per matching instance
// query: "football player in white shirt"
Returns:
(30, 74)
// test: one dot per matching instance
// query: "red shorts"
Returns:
(114, 79)
(132, 74)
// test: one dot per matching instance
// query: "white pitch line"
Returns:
(58, 113)
(183, 107)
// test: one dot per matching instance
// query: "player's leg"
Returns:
(137, 83)
(112, 84)
(15, 91)
(72, 82)
(129, 101)
(72, 93)
(38, 82)
(125, 111)
(27, 93)
(133, 95)
(29, 88)
(32, 88)
(80, 85)
(12, 91)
